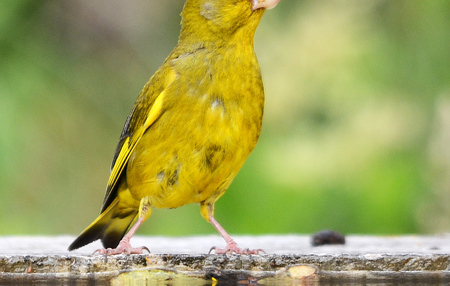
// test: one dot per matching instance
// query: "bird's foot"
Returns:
(234, 248)
(123, 247)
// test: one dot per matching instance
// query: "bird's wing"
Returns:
(147, 109)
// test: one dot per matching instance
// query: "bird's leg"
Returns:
(231, 244)
(124, 244)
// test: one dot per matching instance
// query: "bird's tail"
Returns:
(111, 226)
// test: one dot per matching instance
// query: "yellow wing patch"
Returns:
(155, 112)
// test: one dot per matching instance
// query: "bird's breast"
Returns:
(197, 146)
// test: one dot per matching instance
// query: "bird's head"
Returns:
(219, 19)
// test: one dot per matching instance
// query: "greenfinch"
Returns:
(192, 127)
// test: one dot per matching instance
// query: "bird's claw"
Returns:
(233, 248)
(121, 249)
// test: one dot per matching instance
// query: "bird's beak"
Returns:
(266, 4)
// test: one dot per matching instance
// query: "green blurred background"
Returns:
(356, 132)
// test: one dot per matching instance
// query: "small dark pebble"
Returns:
(325, 237)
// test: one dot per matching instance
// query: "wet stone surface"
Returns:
(287, 258)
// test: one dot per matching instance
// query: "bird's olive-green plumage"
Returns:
(192, 126)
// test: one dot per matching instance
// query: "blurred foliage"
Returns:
(356, 133)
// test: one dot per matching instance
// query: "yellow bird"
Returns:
(191, 128)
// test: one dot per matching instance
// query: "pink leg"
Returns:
(124, 245)
(231, 244)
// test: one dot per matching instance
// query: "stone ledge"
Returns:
(228, 267)
(288, 257)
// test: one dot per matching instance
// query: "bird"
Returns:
(191, 128)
